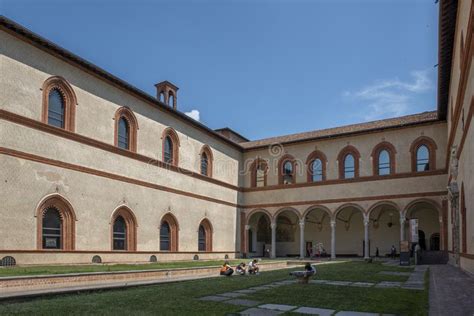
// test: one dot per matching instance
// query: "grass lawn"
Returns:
(37, 270)
(180, 298)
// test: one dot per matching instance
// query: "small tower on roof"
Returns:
(167, 93)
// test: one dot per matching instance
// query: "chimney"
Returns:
(167, 93)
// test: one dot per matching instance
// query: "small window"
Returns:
(288, 172)
(56, 108)
(52, 229)
(384, 163)
(171, 100)
(168, 150)
(422, 158)
(202, 239)
(120, 234)
(317, 170)
(165, 236)
(123, 134)
(349, 167)
(260, 176)
(204, 164)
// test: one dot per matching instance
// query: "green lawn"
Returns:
(180, 298)
(36, 270)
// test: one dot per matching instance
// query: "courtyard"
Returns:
(339, 287)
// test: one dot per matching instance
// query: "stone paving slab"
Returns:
(246, 291)
(260, 312)
(260, 288)
(278, 307)
(318, 281)
(388, 284)
(395, 273)
(213, 298)
(314, 311)
(349, 313)
(242, 302)
(341, 283)
(231, 294)
(362, 284)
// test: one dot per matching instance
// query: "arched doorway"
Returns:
(350, 231)
(317, 235)
(287, 234)
(259, 234)
(384, 227)
(434, 242)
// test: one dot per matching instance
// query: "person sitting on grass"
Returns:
(253, 267)
(240, 269)
(226, 269)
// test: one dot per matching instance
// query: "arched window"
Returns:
(348, 161)
(316, 166)
(120, 234)
(170, 146)
(126, 129)
(55, 224)
(202, 239)
(59, 103)
(165, 236)
(258, 171)
(423, 154)
(123, 134)
(168, 155)
(384, 163)
(205, 236)
(206, 161)
(124, 229)
(422, 158)
(56, 108)
(349, 167)
(287, 170)
(171, 99)
(52, 229)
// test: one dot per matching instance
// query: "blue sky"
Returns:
(263, 68)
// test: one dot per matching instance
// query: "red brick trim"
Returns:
(34, 124)
(253, 172)
(171, 133)
(69, 97)
(349, 149)
(309, 161)
(464, 219)
(281, 162)
(43, 251)
(467, 124)
(174, 230)
(376, 153)
(210, 160)
(430, 144)
(131, 224)
(206, 224)
(127, 114)
(68, 221)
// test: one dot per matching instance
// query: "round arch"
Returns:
(284, 209)
(410, 205)
(380, 203)
(258, 210)
(353, 205)
(317, 207)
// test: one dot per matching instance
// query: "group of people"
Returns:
(242, 269)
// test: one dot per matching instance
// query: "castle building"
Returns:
(92, 166)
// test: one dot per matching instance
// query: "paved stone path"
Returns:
(451, 291)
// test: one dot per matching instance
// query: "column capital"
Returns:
(402, 219)
(333, 223)
(247, 227)
(301, 222)
(273, 225)
(366, 221)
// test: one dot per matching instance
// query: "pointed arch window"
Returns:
(126, 129)
(170, 147)
(202, 239)
(59, 103)
(169, 233)
(205, 236)
(165, 236)
(124, 230)
(52, 229)
(120, 234)
(168, 153)
(206, 161)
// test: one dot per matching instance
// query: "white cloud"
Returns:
(391, 97)
(194, 114)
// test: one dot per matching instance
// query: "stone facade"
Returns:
(215, 194)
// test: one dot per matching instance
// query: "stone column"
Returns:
(402, 227)
(333, 239)
(246, 240)
(366, 238)
(273, 225)
(453, 194)
(302, 248)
